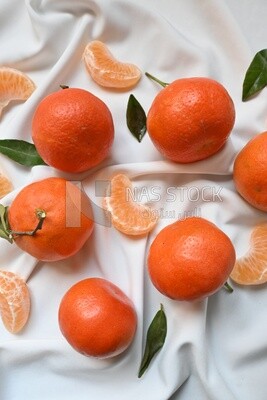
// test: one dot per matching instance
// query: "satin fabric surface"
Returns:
(215, 349)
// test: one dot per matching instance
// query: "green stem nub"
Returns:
(40, 214)
(163, 84)
(228, 287)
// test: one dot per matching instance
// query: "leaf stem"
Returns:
(228, 287)
(163, 84)
(40, 214)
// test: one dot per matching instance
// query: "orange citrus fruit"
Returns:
(190, 119)
(65, 228)
(14, 85)
(250, 172)
(97, 318)
(72, 130)
(14, 301)
(251, 269)
(127, 215)
(106, 70)
(190, 259)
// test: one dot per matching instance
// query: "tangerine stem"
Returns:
(164, 84)
(40, 214)
(228, 287)
(64, 86)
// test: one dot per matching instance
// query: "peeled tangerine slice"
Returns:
(5, 185)
(106, 70)
(127, 215)
(14, 301)
(14, 85)
(251, 269)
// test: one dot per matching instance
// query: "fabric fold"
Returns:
(215, 348)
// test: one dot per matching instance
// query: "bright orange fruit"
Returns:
(97, 318)
(191, 119)
(190, 259)
(106, 70)
(72, 130)
(250, 172)
(14, 85)
(128, 216)
(65, 227)
(14, 301)
(251, 269)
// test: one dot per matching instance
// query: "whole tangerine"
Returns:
(97, 318)
(72, 130)
(190, 119)
(250, 172)
(190, 259)
(64, 228)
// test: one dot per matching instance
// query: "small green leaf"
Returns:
(5, 235)
(3, 216)
(20, 151)
(136, 118)
(256, 75)
(4, 226)
(155, 339)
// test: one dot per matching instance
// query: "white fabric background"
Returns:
(215, 349)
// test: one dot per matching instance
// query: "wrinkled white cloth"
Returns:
(215, 349)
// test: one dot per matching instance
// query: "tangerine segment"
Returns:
(106, 70)
(14, 301)
(127, 215)
(5, 185)
(14, 85)
(251, 269)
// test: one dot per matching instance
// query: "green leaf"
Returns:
(4, 226)
(136, 118)
(3, 216)
(5, 235)
(256, 75)
(155, 339)
(20, 151)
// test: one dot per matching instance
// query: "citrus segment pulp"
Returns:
(14, 85)
(14, 301)
(106, 70)
(5, 185)
(128, 216)
(251, 269)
